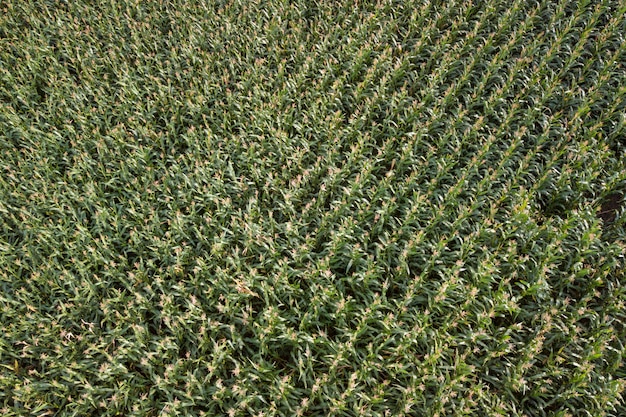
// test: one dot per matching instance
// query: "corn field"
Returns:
(312, 208)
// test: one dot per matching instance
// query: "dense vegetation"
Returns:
(300, 208)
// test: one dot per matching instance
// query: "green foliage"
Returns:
(312, 208)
